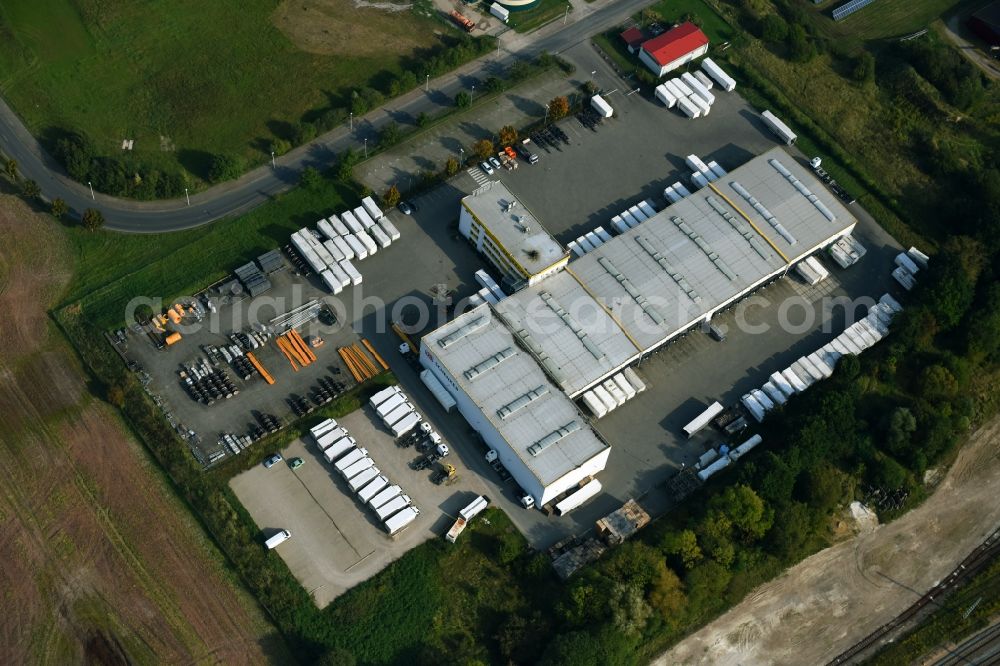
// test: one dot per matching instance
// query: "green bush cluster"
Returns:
(127, 175)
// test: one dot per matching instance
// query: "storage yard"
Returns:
(337, 540)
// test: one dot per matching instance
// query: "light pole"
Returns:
(91, 190)
(473, 95)
(566, 15)
(546, 121)
(366, 147)
(273, 165)
(187, 196)
(498, 47)
(427, 83)
(352, 121)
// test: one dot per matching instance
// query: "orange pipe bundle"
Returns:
(294, 349)
(283, 346)
(365, 361)
(350, 364)
(302, 345)
(356, 362)
(374, 353)
(260, 368)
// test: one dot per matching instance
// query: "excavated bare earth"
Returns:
(828, 602)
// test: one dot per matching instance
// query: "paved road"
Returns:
(257, 186)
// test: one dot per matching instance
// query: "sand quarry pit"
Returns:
(828, 602)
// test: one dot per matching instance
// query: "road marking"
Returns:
(478, 176)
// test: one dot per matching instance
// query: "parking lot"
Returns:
(336, 541)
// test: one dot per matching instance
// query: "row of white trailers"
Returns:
(629, 218)
(398, 414)
(819, 365)
(691, 92)
(342, 239)
(908, 264)
(612, 393)
(366, 481)
(701, 175)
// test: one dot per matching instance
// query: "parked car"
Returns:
(272, 460)
(405, 207)
(495, 162)
(295, 463)
(485, 166)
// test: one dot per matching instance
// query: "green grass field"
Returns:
(114, 268)
(711, 23)
(185, 78)
(532, 19)
(894, 18)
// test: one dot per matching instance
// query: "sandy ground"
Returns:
(827, 603)
(100, 563)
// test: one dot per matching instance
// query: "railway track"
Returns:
(971, 565)
(983, 648)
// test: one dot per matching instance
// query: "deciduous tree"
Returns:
(92, 219)
(508, 135)
(558, 107)
(391, 196)
(483, 148)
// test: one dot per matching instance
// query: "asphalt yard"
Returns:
(336, 541)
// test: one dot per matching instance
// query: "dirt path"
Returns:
(825, 604)
(99, 562)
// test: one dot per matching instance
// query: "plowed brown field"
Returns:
(99, 562)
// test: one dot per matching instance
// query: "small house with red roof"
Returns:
(633, 39)
(675, 47)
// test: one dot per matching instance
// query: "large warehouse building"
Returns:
(538, 433)
(624, 299)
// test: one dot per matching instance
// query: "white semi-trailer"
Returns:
(372, 208)
(360, 466)
(366, 220)
(364, 478)
(383, 496)
(406, 424)
(350, 458)
(392, 506)
(339, 448)
(383, 395)
(703, 419)
(375, 486)
(392, 402)
(397, 414)
(397, 523)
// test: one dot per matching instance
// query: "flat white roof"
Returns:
(514, 227)
(644, 286)
(536, 419)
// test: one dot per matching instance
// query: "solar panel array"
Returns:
(846, 10)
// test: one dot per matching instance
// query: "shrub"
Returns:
(92, 219)
(224, 167)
